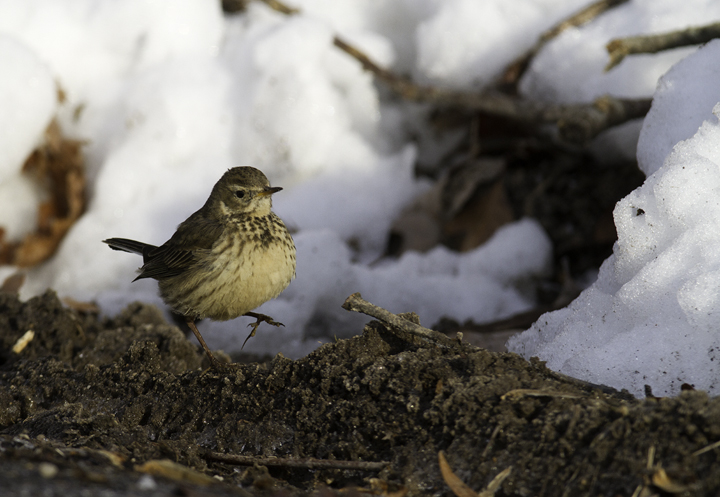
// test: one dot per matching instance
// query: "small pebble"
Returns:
(146, 482)
(47, 470)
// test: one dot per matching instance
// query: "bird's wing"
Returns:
(193, 239)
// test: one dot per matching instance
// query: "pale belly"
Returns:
(234, 281)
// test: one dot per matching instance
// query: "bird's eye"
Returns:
(239, 194)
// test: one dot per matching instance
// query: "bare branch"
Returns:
(517, 68)
(577, 123)
(280, 7)
(307, 463)
(619, 48)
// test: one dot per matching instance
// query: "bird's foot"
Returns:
(215, 365)
(260, 318)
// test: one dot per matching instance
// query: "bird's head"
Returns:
(242, 190)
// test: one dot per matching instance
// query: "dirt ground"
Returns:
(122, 406)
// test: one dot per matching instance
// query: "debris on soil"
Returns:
(119, 405)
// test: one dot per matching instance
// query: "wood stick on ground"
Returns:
(619, 48)
(517, 68)
(356, 303)
(307, 463)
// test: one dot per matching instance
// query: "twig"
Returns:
(280, 7)
(707, 448)
(307, 463)
(356, 303)
(619, 48)
(517, 68)
(490, 443)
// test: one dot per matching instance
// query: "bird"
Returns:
(226, 259)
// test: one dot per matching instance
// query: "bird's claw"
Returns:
(260, 318)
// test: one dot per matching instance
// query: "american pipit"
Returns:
(225, 259)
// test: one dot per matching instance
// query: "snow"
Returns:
(27, 100)
(683, 101)
(168, 94)
(469, 42)
(651, 317)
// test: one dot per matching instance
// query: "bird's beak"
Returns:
(269, 191)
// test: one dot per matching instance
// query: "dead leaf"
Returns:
(58, 166)
(661, 480)
(494, 485)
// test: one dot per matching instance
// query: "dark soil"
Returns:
(91, 400)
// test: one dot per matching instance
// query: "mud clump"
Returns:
(122, 405)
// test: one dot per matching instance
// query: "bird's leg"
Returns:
(215, 363)
(261, 318)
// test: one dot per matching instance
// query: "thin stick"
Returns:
(619, 48)
(307, 463)
(528, 392)
(707, 448)
(356, 303)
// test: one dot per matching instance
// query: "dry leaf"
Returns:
(661, 480)
(494, 485)
(58, 166)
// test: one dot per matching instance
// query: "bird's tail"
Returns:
(131, 246)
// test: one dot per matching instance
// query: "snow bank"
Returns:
(652, 316)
